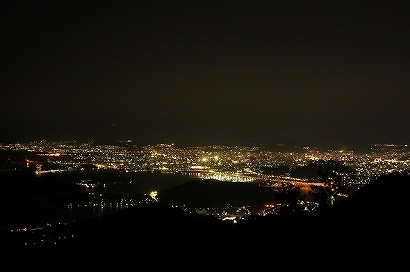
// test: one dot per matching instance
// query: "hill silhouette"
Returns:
(382, 205)
(216, 193)
(373, 217)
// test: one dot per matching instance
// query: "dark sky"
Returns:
(206, 72)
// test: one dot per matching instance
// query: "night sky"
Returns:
(206, 72)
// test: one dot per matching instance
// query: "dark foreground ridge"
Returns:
(374, 216)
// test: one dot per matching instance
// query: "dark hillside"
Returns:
(384, 199)
(216, 193)
(372, 219)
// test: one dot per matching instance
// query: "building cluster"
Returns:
(230, 163)
(227, 163)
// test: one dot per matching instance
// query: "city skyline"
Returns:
(210, 72)
(151, 170)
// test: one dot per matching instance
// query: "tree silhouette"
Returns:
(320, 195)
(333, 182)
(288, 193)
(290, 197)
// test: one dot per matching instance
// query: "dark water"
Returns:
(25, 209)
